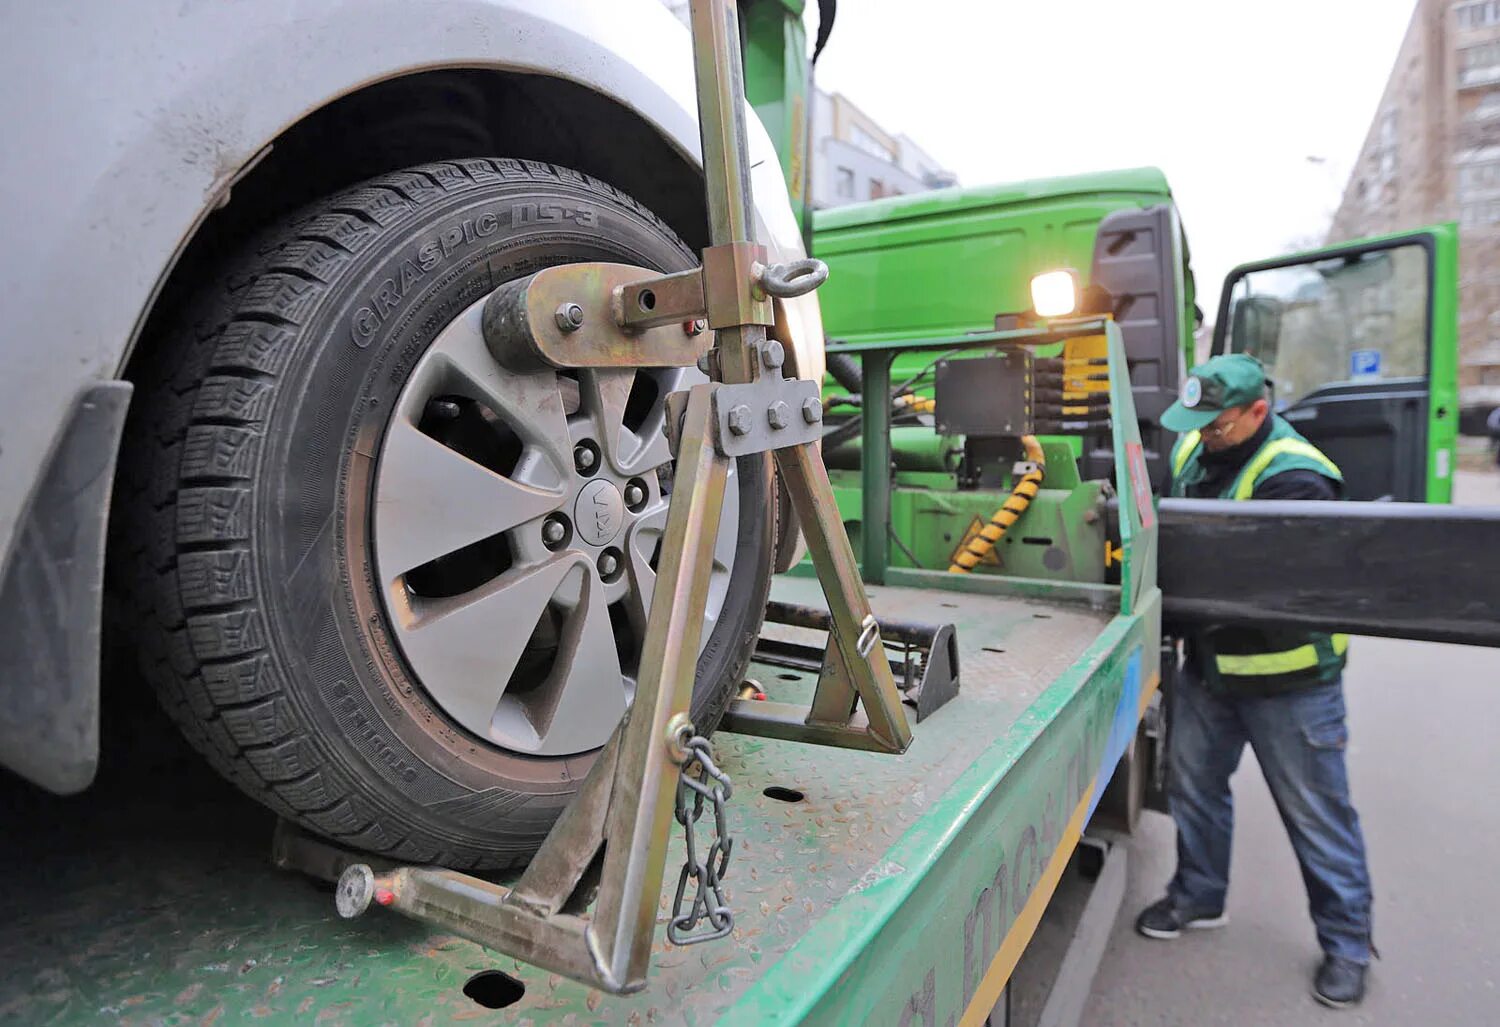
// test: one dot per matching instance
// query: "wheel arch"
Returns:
(424, 116)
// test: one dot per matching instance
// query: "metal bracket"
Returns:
(586, 907)
(620, 315)
(567, 316)
(767, 414)
(923, 658)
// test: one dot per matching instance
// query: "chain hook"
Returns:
(707, 873)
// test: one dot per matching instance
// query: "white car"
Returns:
(245, 396)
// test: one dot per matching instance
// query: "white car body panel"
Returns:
(128, 119)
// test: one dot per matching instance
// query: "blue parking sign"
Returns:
(1364, 363)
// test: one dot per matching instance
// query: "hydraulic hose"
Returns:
(1015, 505)
(845, 370)
(904, 404)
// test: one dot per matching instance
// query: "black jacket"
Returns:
(1221, 469)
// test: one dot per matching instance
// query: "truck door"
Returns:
(1360, 341)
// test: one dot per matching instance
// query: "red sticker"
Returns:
(1140, 483)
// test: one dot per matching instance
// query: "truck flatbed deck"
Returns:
(896, 889)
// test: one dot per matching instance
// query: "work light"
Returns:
(1055, 293)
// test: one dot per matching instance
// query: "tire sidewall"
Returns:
(432, 261)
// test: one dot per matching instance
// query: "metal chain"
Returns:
(708, 904)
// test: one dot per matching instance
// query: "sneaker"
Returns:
(1165, 921)
(1340, 982)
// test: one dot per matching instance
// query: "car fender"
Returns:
(129, 121)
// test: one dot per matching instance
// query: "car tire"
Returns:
(245, 512)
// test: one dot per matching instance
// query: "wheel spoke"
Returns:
(468, 646)
(641, 543)
(606, 394)
(431, 500)
(642, 539)
(459, 363)
(725, 544)
(584, 696)
(729, 523)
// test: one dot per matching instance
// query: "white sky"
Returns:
(1242, 94)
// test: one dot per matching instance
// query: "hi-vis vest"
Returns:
(1252, 659)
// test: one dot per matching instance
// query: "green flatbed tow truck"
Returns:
(866, 887)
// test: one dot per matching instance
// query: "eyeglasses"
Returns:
(1220, 431)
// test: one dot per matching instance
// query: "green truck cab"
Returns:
(1360, 339)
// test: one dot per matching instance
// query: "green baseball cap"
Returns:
(1213, 387)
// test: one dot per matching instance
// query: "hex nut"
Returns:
(570, 317)
(739, 420)
(609, 564)
(554, 531)
(812, 409)
(777, 414)
(773, 355)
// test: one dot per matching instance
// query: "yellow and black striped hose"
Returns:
(1015, 505)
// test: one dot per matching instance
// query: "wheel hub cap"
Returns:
(599, 513)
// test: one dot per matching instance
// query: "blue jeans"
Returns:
(1299, 740)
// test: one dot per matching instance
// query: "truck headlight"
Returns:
(1055, 293)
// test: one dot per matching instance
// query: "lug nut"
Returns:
(570, 317)
(609, 564)
(773, 355)
(584, 457)
(554, 531)
(812, 410)
(635, 495)
(444, 409)
(776, 414)
(739, 420)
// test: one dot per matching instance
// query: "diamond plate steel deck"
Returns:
(151, 900)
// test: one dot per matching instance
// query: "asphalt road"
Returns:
(1424, 758)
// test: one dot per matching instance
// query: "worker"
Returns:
(1280, 690)
(1492, 425)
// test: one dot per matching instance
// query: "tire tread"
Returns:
(187, 491)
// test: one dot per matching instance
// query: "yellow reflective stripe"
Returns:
(1245, 485)
(1184, 450)
(1303, 657)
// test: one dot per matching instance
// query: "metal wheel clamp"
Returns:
(586, 905)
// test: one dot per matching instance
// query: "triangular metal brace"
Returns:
(624, 808)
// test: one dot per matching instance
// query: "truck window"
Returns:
(1360, 342)
(1361, 318)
